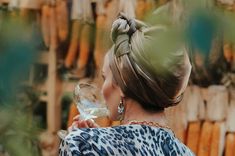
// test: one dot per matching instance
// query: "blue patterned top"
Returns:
(125, 140)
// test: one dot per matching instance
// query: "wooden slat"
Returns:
(54, 108)
(205, 139)
(230, 144)
(218, 138)
(193, 135)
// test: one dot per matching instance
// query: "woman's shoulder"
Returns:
(123, 140)
(120, 132)
(102, 141)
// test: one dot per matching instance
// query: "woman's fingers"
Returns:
(78, 123)
(76, 118)
(83, 124)
(73, 126)
(91, 123)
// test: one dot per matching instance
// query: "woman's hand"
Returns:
(78, 123)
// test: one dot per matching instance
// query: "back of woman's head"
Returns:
(153, 76)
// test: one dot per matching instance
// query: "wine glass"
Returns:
(89, 101)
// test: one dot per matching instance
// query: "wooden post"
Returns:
(53, 109)
(49, 140)
(53, 105)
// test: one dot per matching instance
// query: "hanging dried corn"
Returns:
(205, 139)
(233, 52)
(74, 42)
(45, 23)
(218, 138)
(140, 9)
(143, 7)
(150, 5)
(86, 36)
(85, 48)
(62, 19)
(100, 32)
(29, 10)
(53, 26)
(193, 134)
(230, 144)
(228, 52)
(75, 37)
(111, 13)
(100, 37)
(30, 4)
(127, 7)
(106, 13)
(13, 4)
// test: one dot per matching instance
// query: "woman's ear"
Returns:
(120, 92)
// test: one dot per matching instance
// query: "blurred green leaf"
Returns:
(18, 130)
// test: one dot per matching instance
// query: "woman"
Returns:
(139, 83)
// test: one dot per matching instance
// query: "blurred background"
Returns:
(47, 46)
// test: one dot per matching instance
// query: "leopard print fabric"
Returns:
(126, 140)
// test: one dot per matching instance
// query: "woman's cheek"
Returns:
(111, 97)
(105, 91)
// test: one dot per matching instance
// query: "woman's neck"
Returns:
(134, 112)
